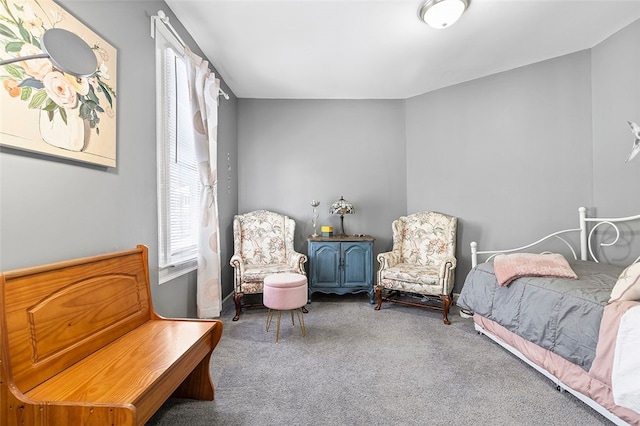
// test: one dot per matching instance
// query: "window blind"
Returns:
(179, 180)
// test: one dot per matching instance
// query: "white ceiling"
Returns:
(379, 49)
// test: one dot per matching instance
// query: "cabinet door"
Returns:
(357, 264)
(324, 262)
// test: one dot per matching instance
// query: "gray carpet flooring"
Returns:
(357, 366)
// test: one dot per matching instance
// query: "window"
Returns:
(178, 179)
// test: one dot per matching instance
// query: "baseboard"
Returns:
(227, 300)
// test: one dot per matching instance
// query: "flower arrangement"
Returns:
(36, 81)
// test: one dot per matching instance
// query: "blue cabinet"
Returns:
(341, 265)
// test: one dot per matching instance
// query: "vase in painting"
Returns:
(69, 135)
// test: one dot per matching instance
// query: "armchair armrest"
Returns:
(237, 262)
(297, 260)
(388, 259)
(238, 270)
(446, 274)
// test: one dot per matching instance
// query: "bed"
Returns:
(571, 317)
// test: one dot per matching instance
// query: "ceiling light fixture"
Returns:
(442, 13)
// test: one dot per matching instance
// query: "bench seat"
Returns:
(119, 374)
(115, 370)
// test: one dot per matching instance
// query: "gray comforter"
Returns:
(561, 315)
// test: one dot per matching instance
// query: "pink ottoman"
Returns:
(285, 292)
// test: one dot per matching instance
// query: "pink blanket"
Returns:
(508, 267)
(596, 384)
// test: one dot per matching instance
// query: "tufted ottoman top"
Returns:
(285, 280)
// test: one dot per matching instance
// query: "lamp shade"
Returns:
(342, 207)
(442, 13)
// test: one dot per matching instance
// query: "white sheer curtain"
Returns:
(205, 89)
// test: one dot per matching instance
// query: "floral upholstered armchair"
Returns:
(422, 262)
(263, 245)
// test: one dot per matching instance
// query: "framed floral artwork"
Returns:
(43, 107)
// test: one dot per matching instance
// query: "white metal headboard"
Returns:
(586, 238)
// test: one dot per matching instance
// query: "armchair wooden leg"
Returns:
(446, 300)
(237, 299)
(378, 293)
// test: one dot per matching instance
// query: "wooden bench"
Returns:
(80, 344)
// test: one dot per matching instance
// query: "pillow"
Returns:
(508, 267)
(628, 285)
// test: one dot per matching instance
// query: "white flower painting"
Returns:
(45, 109)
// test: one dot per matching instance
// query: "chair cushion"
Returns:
(412, 279)
(251, 288)
(417, 274)
(254, 276)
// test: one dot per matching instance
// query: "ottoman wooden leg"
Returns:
(269, 317)
(300, 314)
(278, 326)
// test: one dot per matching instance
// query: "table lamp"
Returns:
(342, 207)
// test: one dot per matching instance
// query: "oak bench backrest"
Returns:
(55, 315)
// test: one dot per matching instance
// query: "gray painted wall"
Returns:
(53, 210)
(616, 100)
(509, 154)
(294, 151)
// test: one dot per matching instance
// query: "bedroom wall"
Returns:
(293, 151)
(616, 100)
(53, 210)
(508, 154)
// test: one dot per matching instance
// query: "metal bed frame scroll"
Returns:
(586, 238)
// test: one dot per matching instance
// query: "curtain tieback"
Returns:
(212, 189)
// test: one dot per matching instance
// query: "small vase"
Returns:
(315, 204)
(69, 135)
